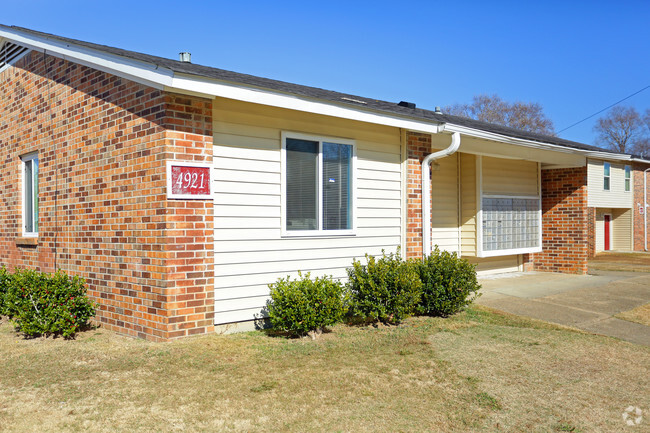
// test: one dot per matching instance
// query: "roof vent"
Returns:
(185, 57)
(437, 110)
(345, 98)
(406, 104)
(10, 52)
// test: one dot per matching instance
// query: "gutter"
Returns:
(486, 135)
(426, 188)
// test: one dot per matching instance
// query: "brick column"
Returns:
(418, 146)
(189, 246)
(638, 218)
(565, 228)
(591, 231)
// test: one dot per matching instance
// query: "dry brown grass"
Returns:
(639, 315)
(613, 261)
(477, 371)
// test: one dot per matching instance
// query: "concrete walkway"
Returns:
(587, 302)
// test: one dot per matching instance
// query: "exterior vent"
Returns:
(9, 53)
(406, 104)
(185, 57)
(345, 98)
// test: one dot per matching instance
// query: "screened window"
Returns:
(606, 176)
(318, 185)
(510, 223)
(30, 194)
(628, 178)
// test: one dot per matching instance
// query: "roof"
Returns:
(340, 99)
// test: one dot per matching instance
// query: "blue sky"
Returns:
(573, 57)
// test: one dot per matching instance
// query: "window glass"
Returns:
(30, 194)
(302, 184)
(628, 176)
(336, 186)
(606, 169)
(29, 188)
(318, 185)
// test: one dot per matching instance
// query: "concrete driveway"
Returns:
(587, 302)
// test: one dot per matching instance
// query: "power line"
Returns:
(605, 109)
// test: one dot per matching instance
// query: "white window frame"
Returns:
(479, 215)
(319, 202)
(24, 159)
(627, 176)
(513, 251)
(607, 176)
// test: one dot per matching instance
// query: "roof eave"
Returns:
(141, 72)
(477, 133)
(164, 78)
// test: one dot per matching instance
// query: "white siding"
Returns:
(445, 230)
(249, 250)
(622, 230)
(600, 229)
(616, 197)
(496, 265)
(468, 204)
(509, 176)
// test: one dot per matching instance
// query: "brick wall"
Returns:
(103, 143)
(638, 219)
(591, 231)
(418, 146)
(565, 228)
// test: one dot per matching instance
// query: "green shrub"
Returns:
(303, 305)
(386, 289)
(46, 304)
(5, 278)
(448, 283)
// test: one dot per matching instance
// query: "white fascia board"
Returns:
(163, 78)
(450, 127)
(142, 72)
(238, 92)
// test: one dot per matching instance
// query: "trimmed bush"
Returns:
(47, 304)
(385, 289)
(304, 305)
(5, 277)
(448, 283)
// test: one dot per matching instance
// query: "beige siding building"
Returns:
(611, 201)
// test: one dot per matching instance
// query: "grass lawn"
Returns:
(478, 371)
(640, 314)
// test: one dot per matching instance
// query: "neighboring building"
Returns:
(179, 192)
(616, 204)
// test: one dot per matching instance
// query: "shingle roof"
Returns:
(338, 98)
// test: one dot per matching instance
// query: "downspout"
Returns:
(645, 208)
(426, 190)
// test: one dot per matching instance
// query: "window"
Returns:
(606, 178)
(318, 185)
(30, 194)
(628, 178)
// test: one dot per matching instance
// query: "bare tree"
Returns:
(624, 130)
(491, 108)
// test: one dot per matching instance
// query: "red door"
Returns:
(608, 219)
